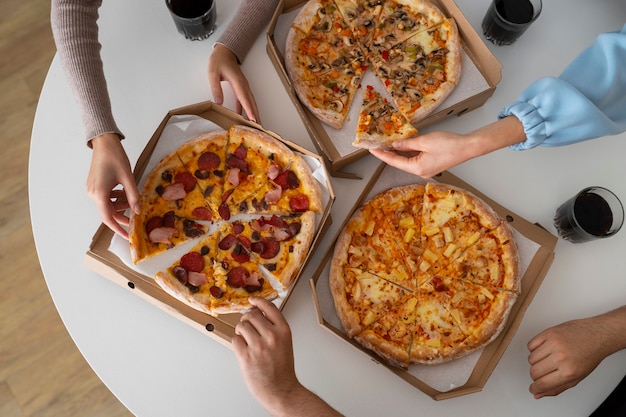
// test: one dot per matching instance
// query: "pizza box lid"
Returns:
(468, 374)
(103, 256)
(480, 75)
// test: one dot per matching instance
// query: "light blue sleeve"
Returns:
(587, 101)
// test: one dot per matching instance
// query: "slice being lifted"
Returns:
(380, 124)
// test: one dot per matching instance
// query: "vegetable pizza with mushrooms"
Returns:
(411, 46)
(243, 202)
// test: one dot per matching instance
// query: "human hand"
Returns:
(262, 343)
(562, 356)
(223, 66)
(109, 168)
(426, 155)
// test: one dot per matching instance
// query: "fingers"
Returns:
(396, 160)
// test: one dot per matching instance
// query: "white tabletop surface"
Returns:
(159, 366)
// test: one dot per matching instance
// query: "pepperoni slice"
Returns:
(234, 162)
(187, 179)
(287, 180)
(299, 203)
(237, 277)
(202, 213)
(275, 221)
(241, 152)
(224, 211)
(209, 161)
(271, 247)
(227, 242)
(216, 291)
(237, 228)
(169, 219)
(153, 223)
(239, 254)
(192, 262)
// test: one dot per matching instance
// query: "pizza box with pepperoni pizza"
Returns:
(481, 72)
(109, 255)
(470, 373)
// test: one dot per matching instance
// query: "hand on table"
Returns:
(562, 356)
(223, 66)
(109, 168)
(262, 343)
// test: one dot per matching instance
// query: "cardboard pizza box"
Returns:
(105, 259)
(468, 374)
(480, 74)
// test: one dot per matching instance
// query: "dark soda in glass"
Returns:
(587, 216)
(195, 19)
(506, 20)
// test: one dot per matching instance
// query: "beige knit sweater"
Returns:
(75, 30)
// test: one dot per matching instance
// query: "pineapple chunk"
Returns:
(369, 318)
(370, 228)
(435, 343)
(430, 230)
(487, 293)
(430, 255)
(409, 235)
(473, 238)
(408, 221)
(449, 250)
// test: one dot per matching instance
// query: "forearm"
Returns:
(251, 17)
(499, 134)
(75, 30)
(611, 327)
(299, 401)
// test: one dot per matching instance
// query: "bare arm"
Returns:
(263, 346)
(562, 356)
(429, 154)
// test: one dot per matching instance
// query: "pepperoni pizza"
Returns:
(247, 201)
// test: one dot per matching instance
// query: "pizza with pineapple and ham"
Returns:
(424, 273)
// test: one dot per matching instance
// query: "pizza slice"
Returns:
(361, 297)
(236, 273)
(438, 337)
(251, 157)
(452, 220)
(492, 262)
(370, 244)
(205, 158)
(399, 19)
(478, 311)
(291, 188)
(420, 72)
(361, 16)
(277, 243)
(173, 210)
(380, 124)
(391, 336)
(190, 278)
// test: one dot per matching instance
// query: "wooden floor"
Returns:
(41, 371)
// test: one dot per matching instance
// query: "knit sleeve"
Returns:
(251, 17)
(75, 31)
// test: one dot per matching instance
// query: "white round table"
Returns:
(158, 366)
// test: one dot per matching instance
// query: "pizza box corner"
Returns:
(104, 260)
(481, 73)
(468, 374)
